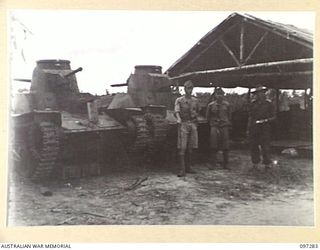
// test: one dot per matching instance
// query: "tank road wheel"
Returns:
(44, 149)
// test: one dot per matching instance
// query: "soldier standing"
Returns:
(219, 116)
(261, 113)
(186, 111)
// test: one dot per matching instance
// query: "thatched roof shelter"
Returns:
(244, 51)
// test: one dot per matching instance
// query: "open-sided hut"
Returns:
(244, 51)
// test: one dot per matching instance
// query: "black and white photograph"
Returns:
(131, 117)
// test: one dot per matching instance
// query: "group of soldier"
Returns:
(218, 114)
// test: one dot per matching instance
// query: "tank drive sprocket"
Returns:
(157, 129)
(138, 128)
(44, 150)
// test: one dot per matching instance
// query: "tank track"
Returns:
(158, 127)
(141, 135)
(150, 134)
(44, 151)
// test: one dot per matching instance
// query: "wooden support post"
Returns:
(277, 101)
(248, 95)
(305, 99)
(177, 90)
(311, 98)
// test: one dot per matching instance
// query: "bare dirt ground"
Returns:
(152, 195)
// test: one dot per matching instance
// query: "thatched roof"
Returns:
(244, 51)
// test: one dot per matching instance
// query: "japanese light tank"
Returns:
(55, 126)
(146, 109)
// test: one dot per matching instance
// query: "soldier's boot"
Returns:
(213, 160)
(182, 171)
(188, 165)
(226, 159)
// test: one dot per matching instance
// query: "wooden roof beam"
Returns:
(229, 78)
(208, 46)
(297, 73)
(252, 66)
(241, 49)
(288, 35)
(255, 47)
(230, 52)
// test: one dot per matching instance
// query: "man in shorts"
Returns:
(186, 111)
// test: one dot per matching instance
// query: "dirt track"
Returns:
(154, 195)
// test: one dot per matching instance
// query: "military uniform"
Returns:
(188, 109)
(259, 133)
(218, 116)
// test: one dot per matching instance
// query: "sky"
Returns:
(108, 44)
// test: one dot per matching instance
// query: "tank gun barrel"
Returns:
(73, 72)
(119, 85)
(22, 80)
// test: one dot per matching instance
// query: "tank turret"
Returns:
(54, 76)
(54, 85)
(146, 86)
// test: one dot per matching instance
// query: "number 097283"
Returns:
(308, 245)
